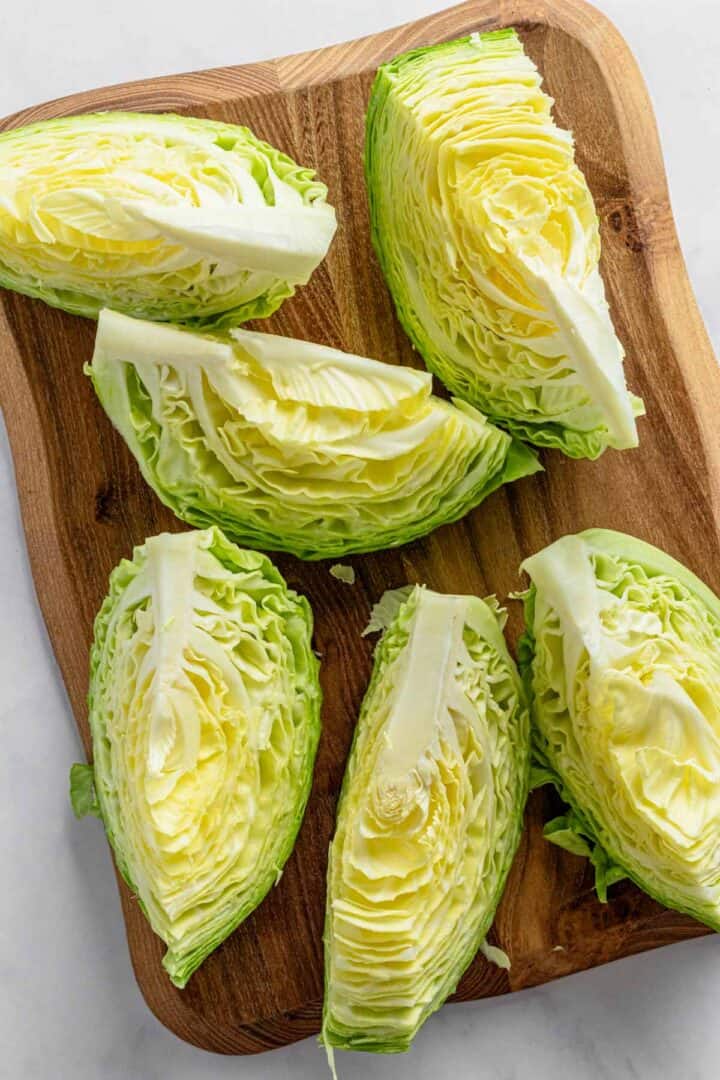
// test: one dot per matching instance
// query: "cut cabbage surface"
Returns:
(429, 819)
(622, 655)
(488, 236)
(293, 446)
(164, 217)
(204, 712)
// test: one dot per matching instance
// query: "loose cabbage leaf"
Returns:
(290, 446)
(429, 820)
(622, 656)
(82, 791)
(164, 217)
(343, 573)
(495, 956)
(488, 237)
(204, 711)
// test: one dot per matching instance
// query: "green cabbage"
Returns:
(622, 656)
(429, 819)
(164, 217)
(204, 712)
(292, 446)
(488, 237)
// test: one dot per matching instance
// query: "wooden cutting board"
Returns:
(85, 505)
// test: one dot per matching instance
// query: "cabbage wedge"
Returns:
(429, 819)
(488, 237)
(204, 711)
(164, 217)
(292, 446)
(622, 655)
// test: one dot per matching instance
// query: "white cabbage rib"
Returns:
(163, 216)
(294, 446)
(626, 678)
(489, 239)
(428, 822)
(204, 712)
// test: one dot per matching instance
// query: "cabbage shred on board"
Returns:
(205, 717)
(164, 217)
(488, 237)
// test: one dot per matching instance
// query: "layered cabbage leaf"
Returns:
(293, 446)
(429, 819)
(161, 216)
(204, 711)
(622, 656)
(488, 237)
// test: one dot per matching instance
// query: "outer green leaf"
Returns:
(488, 237)
(623, 658)
(540, 776)
(607, 872)
(429, 819)
(164, 217)
(292, 446)
(204, 711)
(563, 831)
(82, 791)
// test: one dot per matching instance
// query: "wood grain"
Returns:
(84, 504)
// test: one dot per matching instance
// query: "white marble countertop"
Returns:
(69, 1007)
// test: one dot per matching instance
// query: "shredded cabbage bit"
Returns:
(622, 658)
(488, 237)
(205, 717)
(429, 819)
(292, 446)
(161, 216)
(343, 573)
